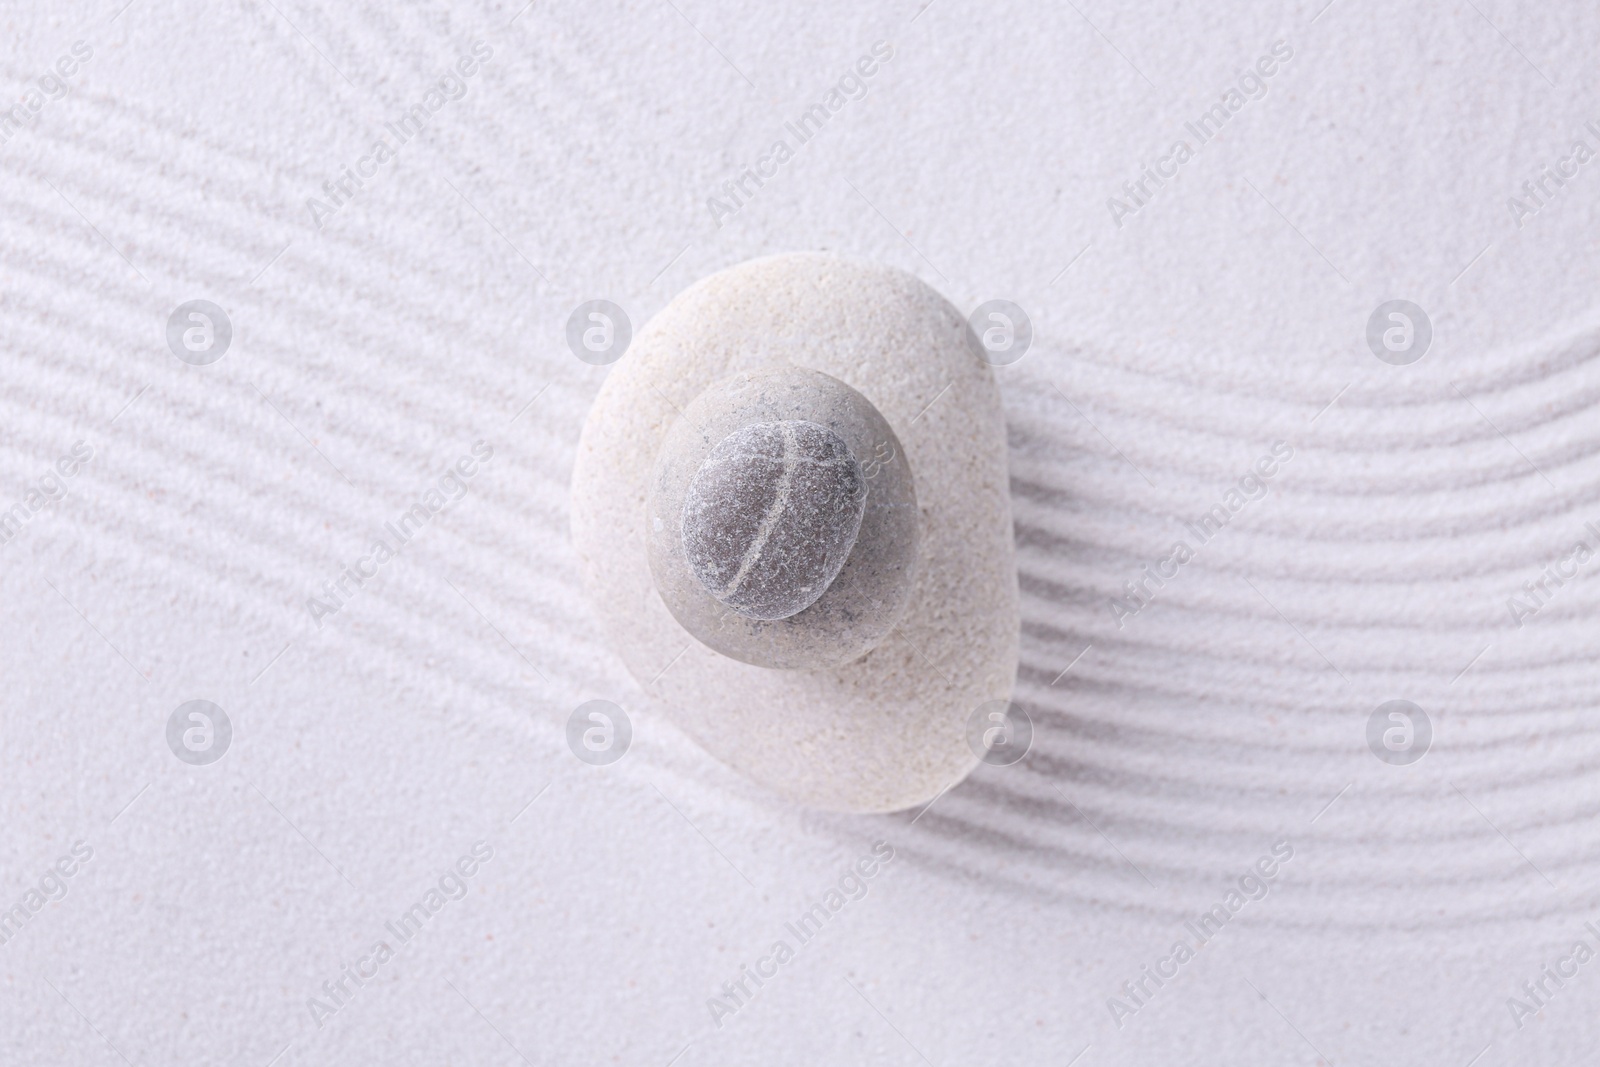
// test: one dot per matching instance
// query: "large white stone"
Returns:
(888, 730)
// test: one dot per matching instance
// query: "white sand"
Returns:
(423, 717)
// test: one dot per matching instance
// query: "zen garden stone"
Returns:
(771, 516)
(783, 520)
(792, 511)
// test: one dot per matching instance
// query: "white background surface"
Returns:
(370, 354)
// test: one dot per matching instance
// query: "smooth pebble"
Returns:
(771, 515)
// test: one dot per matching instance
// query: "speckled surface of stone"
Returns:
(771, 516)
(860, 606)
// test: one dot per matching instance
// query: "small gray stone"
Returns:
(825, 580)
(771, 516)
